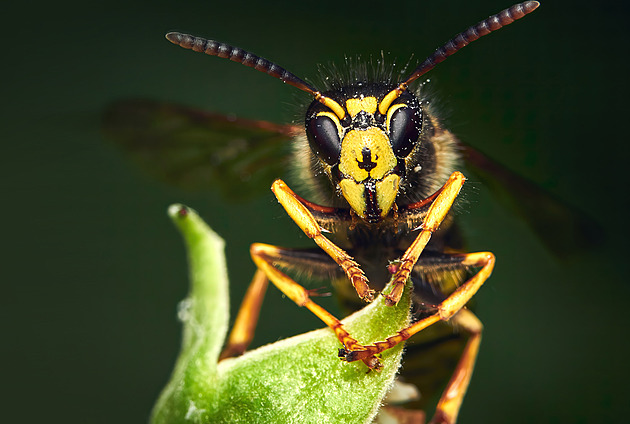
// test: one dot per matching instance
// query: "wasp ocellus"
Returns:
(382, 174)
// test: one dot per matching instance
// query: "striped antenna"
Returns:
(461, 40)
(223, 50)
(216, 48)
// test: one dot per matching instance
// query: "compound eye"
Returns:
(323, 136)
(405, 125)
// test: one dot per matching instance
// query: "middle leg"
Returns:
(265, 256)
(445, 309)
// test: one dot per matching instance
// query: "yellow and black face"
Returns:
(363, 143)
(374, 141)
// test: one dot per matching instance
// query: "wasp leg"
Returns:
(242, 332)
(452, 397)
(434, 217)
(264, 256)
(445, 309)
(303, 217)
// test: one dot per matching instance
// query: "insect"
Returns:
(384, 175)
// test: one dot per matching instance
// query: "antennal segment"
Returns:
(461, 40)
(473, 33)
(223, 50)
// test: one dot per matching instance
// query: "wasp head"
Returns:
(364, 142)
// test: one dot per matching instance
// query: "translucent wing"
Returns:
(560, 226)
(195, 149)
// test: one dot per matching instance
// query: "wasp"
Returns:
(383, 174)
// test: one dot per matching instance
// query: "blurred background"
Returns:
(93, 269)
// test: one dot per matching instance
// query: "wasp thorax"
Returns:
(364, 151)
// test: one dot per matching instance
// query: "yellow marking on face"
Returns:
(354, 193)
(389, 99)
(368, 104)
(381, 156)
(386, 192)
(331, 104)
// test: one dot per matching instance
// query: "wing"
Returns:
(560, 226)
(194, 149)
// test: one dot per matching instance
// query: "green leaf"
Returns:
(297, 380)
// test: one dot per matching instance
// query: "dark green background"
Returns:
(93, 269)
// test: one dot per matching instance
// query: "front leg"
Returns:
(303, 217)
(434, 217)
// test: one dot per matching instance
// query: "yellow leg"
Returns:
(242, 332)
(446, 309)
(436, 214)
(453, 396)
(300, 214)
(263, 255)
